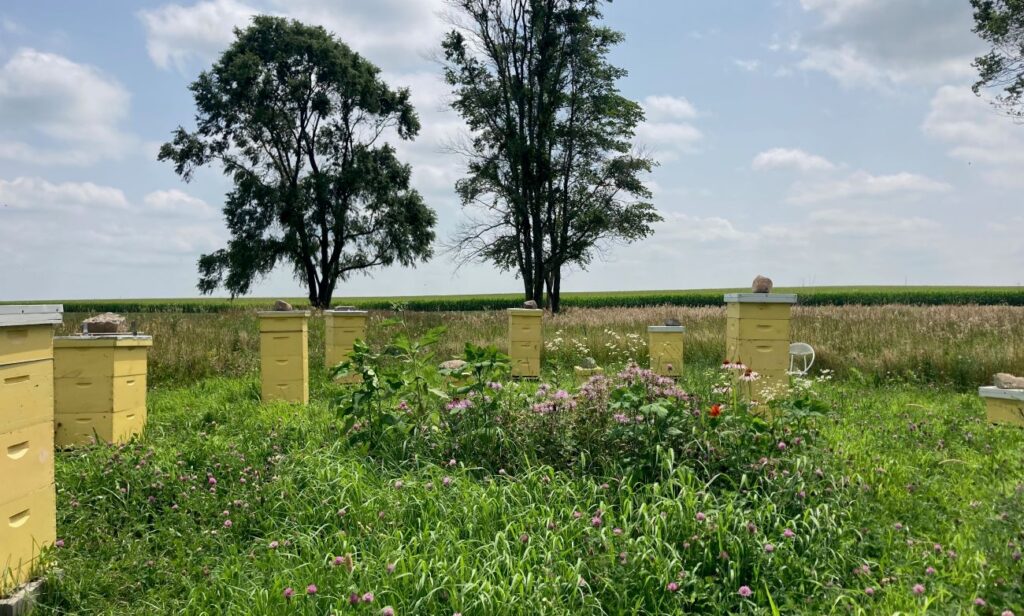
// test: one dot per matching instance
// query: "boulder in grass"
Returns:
(106, 323)
(762, 284)
(1008, 381)
(530, 304)
(282, 306)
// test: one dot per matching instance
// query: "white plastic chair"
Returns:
(804, 354)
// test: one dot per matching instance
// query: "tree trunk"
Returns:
(555, 294)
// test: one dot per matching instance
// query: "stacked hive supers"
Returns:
(99, 387)
(524, 340)
(343, 328)
(757, 334)
(284, 355)
(28, 508)
(666, 349)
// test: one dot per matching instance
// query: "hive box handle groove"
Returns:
(17, 451)
(18, 519)
(17, 379)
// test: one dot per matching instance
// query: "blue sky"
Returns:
(814, 141)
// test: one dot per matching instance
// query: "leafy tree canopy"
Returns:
(298, 120)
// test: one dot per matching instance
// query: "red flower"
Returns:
(716, 410)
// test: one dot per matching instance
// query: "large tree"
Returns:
(1001, 24)
(298, 121)
(552, 175)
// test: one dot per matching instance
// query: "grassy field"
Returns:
(875, 488)
(896, 500)
(809, 296)
(959, 346)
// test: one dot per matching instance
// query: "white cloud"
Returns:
(392, 32)
(666, 129)
(977, 133)
(790, 158)
(861, 184)
(36, 194)
(858, 224)
(883, 44)
(176, 34)
(682, 227)
(75, 107)
(663, 108)
(177, 203)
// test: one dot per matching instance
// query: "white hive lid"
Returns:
(31, 314)
(760, 298)
(1005, 394)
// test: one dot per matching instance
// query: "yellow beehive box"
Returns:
(342, 329)
(26, 394)
(524, 341)
(665, 343)
(757, 334)
(27, 525)
(284, 355)
(1003, 406)
(99, 387)
(26, 365)
(26, 460)
(88, 428)
(27, 496)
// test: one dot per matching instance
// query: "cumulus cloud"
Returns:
(976, 133)
(667, 129)
(790, 158)
(37, 194)
(396, 32)
(882, 44)
(76, 109)
(177, 203)
(862, 184)
(88, 227)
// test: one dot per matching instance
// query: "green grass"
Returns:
(919, 457)
(809, 296)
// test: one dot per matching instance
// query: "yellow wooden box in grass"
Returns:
(341, 330)
(284, 356)
(99, 387)
(757, 334)
(524, 341)
(1003, 406)
(665, 343)
(27, 497)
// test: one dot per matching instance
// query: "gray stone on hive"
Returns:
(762, 284)
(282, 306)
(589, 363)
(106, 323)
(672, 323)
(530, 304)
(1008, 381)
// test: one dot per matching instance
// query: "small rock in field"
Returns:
(106, 323)
(762, 284)
(453, 364)
(282, 306)
(1008, 381)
